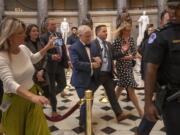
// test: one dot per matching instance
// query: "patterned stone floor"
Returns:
(104, 122)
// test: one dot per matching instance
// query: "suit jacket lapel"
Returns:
(109, 49)
(100, 50)
(82, 47)
(98, 47)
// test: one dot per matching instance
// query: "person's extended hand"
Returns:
(40, 100)
(50, 43)
(97, 59)
(56, 57)
(128, 57)
(95, 65)
(151, 112)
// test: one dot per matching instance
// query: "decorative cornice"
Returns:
(75, 13)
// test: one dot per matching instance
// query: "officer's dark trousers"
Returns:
(145, 127)
(171, 117)
(60, 80)
(107, 81)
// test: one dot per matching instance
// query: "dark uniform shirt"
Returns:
(164, 50)
(142, 50)
(72, 39)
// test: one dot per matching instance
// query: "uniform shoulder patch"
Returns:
(152, 38)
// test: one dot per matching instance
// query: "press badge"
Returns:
(105, 60)
(5, 105)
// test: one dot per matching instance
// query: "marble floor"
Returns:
(104, 122)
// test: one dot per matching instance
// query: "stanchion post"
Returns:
(88, 96)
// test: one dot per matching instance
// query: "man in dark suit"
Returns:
(56, 63)
(105, 72)
(83, 68)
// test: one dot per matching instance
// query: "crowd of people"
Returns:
(32, 70)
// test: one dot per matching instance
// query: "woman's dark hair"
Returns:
(74, 28)
(28, 30)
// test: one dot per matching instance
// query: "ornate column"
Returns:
(42, 10)
(120, 5)
(1, 9)
(83, 10)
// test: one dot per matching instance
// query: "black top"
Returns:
(35, 45)
(142, 49)
(164, 50)
(72, 39)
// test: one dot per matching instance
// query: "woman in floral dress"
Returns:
(124, 65)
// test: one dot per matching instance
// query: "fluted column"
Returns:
(83, 10)
(1, 9)
(120, 5)
(42, 10)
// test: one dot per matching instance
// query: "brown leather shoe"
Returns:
(122, 116)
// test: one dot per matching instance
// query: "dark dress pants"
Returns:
(107, 81)
(57, 85)
(171, 117)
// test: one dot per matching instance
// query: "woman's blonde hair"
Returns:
(119, 31)
(8, 27)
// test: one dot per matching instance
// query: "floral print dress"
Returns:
(125, 67)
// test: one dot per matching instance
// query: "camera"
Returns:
(58, 42)
(58, 45)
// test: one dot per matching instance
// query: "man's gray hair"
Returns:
(83, 29)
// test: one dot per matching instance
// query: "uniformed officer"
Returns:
(145, 125)
(163, 68)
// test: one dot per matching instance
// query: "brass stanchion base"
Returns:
(104, 100)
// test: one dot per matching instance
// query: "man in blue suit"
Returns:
(83, 68)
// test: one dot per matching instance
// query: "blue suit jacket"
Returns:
(81, 76)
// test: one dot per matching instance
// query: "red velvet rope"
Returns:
(67, 114)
